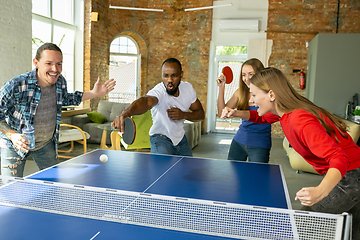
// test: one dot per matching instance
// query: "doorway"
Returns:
(232, 56)
(232, 124)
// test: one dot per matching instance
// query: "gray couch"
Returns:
(111, 109)
(192, 132)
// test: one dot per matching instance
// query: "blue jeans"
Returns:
(241, 152)
(161, 144)
(13, 165)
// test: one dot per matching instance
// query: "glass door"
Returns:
(228, 125)
(232, 56)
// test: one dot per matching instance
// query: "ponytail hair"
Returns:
(287, 99)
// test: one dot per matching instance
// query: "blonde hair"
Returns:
(244, 94)
(287, 99)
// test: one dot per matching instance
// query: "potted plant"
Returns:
(357, 114)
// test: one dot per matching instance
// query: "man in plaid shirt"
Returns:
(34, 99)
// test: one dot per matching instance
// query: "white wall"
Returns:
(240, 9)
(15, 38)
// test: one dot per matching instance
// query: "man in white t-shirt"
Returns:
(169, 102)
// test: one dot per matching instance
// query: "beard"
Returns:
(173, 91)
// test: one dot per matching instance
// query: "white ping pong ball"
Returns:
(103, 158)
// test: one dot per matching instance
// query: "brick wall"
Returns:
(292, 23)
(186, 36)
(15, 38)
(160, 35)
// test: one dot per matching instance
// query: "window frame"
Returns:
(76, 26)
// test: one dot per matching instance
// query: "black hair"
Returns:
(172, 60)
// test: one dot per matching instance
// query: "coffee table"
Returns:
(114, 136)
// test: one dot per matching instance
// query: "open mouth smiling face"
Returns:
(49, 67)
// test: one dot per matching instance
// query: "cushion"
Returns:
(353, 130)
(66, 135)
(96, 117)
(111, 110)
(143, 124)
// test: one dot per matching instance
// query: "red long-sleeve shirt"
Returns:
(310, 139)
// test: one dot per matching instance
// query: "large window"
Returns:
(124, 68)
(54, 21)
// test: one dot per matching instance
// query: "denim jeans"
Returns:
(13, 165)
(240, 152)
(345, 197)
(161, 144)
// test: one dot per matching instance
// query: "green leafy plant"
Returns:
(231, 50)
(357, 112)
(38, 42)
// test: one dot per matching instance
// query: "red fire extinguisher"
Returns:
(302, 79)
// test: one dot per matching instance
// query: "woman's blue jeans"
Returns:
(241, 152)
(161, 144)
(345, 197)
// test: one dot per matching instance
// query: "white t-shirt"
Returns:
(162, 124)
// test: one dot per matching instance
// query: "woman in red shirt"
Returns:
(318, 136)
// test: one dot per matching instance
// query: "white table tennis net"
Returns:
(189, 215)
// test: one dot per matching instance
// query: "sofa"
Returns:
(192, 132)
(298, 163)
(112, 109)
(109, 110)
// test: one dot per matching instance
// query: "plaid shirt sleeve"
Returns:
(6, 99)
(16, 98)
(66, 98)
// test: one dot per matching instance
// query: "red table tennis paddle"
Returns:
(228, 74)
(129, 131)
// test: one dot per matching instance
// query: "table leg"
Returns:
(103, 142)
(115, 140)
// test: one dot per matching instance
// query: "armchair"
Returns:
(143, 124)
(298, 163)
(71, 133)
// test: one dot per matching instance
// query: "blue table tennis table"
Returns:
(184, 178)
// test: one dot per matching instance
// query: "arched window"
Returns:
(124, 68)
(123, 45)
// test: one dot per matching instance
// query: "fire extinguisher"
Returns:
(302, 79)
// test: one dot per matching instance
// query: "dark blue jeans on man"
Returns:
(161, 144)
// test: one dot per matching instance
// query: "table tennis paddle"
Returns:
(129, 131)
(228, 73)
